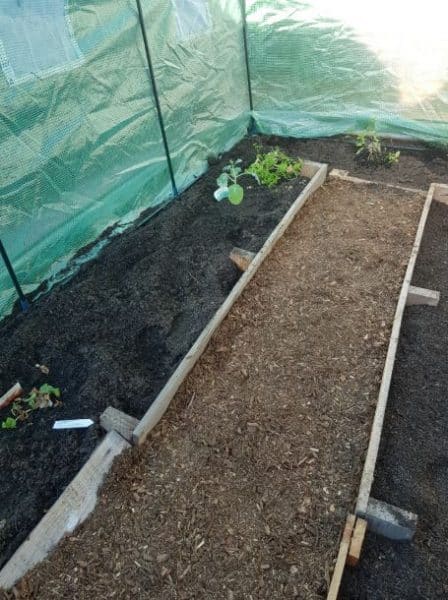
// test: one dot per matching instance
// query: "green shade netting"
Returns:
(80, 140)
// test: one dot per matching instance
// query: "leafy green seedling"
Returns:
(31, 400)
(46, 388)
(370, 151)
(9, 423)
(228, 186)
(270, 168)
(38, 398)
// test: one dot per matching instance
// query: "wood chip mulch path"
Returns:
(243, 489)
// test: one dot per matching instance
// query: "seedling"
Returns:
(9, 423)
(44, 397)
(370, 151)
(270, 168)
(228, 186)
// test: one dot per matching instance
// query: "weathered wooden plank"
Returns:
(338, 572)
(318, 173)
(344, 176)
(418, 295)
(113, 419)
(359, 533)
(378, 420)
(72, 507)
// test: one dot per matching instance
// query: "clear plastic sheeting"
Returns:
(36, 39)
(323, 67)
(192, 18)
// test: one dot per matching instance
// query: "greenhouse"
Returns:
(223, 299)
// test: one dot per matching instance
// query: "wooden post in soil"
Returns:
(242, 258)
(12, 394)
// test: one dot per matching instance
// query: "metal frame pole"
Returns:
(24, 304)
(156, 97)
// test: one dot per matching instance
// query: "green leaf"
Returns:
(46, 388)
(31, 400)
(9, 423)
(223, 180)
(236, 194)
(221, 193)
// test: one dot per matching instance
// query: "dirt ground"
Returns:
(115, 332)
(242, 490)
(418, 167)
(413, 460)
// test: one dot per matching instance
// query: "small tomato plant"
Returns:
(228, 186)
(370, 151)
(270, 168)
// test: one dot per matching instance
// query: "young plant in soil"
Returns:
(228, 186)
(270, 168)
(44, 397)
(370, 151)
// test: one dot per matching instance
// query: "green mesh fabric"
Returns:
(81, 144)
(80, 140)
(324, 67)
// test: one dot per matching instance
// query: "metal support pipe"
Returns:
(246, 57)
(156, 96)
(24, 304)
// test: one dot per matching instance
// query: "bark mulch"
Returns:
(242, 490)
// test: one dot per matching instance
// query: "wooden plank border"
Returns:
(378, 421)
(317, 173)
(344, 176)
(71, 508)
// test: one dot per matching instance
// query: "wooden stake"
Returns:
(418, 295)
(342, 557)
(113, 419)
(242, 258)
(15, 392)
(356, 543)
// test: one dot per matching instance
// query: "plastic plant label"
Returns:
(73, 424)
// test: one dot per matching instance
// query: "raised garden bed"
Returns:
(418, 167)
(116, 332)
(411, 469)
(245, 484)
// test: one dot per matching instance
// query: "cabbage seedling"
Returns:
(228, 186)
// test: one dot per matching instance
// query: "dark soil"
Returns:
(412, 471)
(241, 491)
(418, 167)
(115, 333)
